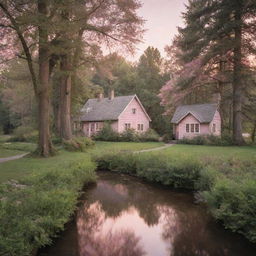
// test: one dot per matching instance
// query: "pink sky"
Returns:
(162, 18)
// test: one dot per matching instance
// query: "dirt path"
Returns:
(10, 158)
(155, 149)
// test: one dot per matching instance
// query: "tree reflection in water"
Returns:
(93, 241)
(122, 216)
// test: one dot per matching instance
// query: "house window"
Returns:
(127, 126)
(214, 128)
(97, 126)
(187, 128)
(140, 127)
(197, 128)
(134, 110)
(192, 127)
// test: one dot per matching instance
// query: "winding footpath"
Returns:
(10, 158)
(6, 159)
(155, 149)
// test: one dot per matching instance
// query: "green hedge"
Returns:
(78, 144)
(33, 210)
(234, 203)
(184, 173)
(130, 135)
(224, 140)
(229, 192)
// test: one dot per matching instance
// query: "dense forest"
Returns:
(53, 58)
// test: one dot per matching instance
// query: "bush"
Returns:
(34, 210)
(167, 137)
(225, 140)
(149, 135)
(235, 205)
(184, 173)
(129, 135)
(106, 134)
(24, 134)
(78, 144)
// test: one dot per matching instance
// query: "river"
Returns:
(125, 216)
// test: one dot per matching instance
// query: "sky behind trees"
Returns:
(162, 18)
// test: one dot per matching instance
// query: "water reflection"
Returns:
(123, 216)
(96, 239)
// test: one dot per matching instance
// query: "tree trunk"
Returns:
(65, 98)
(45, 147)
(237, 82)
(56, 112)
(253, 132)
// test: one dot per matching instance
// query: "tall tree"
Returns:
(217, 32)
(89, 25)
(27, 18)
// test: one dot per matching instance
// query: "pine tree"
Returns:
(217, 32)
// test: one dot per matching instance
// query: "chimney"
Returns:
(111, 94)
(100, 96)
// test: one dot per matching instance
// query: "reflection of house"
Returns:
(198, 119)
(123, 112)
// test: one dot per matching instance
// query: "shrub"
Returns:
(179, 174)
(24, 134)
(235, 205)
(34, 210)
(167, 137)
(129, 135)
(78, 144)
(149, 135)
(213, 140)
(106, 134)
(124, 163)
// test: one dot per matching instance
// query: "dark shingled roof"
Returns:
(104, 109)
(204, 113)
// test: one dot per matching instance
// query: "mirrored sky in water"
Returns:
(123, 216)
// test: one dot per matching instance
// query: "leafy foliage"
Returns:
(78, 144)
(213, 140)
(24, 134)
(107, 134)
(33, 210)
(228, 187)
(234, 203)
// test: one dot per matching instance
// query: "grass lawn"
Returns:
(6, 152)
(17, 169)
(205, 152)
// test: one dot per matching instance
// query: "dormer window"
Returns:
(134, 110)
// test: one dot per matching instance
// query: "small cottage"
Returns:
(198, 119)
(122, 112)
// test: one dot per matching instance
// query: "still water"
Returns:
(124, 216)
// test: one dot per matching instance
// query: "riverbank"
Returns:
(38, 196)
(223, 176)
(124, 215)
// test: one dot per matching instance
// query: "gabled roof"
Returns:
(204, 113)
(106, 109)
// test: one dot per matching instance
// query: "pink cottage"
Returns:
(198, 119)
(123, 112)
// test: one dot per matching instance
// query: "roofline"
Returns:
(92, 120)
(136, 97)
(191, 113)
